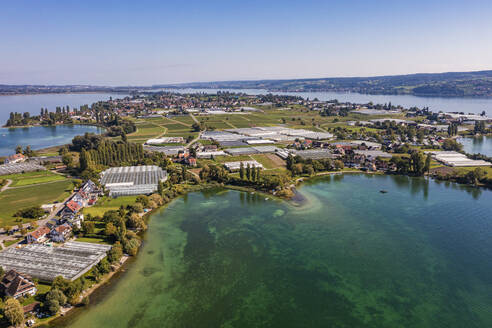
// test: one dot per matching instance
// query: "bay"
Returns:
(417, 256)
(33, 103)
(39, 137)
(477, 145)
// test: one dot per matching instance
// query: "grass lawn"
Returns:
(7, 243)
(465, 170)
(12, 200)
(94, 240)
(105, 204)
(30, 178)
(265, 161)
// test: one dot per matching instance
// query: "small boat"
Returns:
(383, 191)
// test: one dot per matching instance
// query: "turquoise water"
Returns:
(417, 256)
(477, 145)
(41, 136)
(33, 103)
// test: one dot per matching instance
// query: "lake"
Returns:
(477, 145)
(467, 105)
(417, 256)
(39, 137)
(33, 103)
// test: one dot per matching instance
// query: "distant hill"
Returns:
(452, 84)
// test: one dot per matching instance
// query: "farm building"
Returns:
(14, 168)
(132, 180)
(71, 260)
(452, 158)
(235, 166)
(315, 154)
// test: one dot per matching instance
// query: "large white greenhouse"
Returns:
(132, 180)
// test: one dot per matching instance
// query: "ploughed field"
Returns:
(419, 255)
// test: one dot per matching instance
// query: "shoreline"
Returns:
(61, 93)
(101, 289)
(48, 126)
(334, 91)
(98, 291)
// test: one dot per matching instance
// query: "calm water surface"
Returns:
(33, 103)
(41, 136)
(418, 256)
(477, 145)
(467, 105)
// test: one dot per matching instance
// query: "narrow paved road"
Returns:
(6, 185)
(194, 118)
(194, 140)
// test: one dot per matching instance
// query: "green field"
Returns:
(94, 240)
(105, 204)
(266, 161)
(30, 178)
(465, 170)
(12, 200)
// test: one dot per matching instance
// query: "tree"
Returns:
(88, 227)
(115, 253)
(248, 172)
(67, 160)
(451, 144)
(196, 127)
(28, 151)
(427, 166)
(83, 160)
(417, 163)
(144, 200)
(30, 213)
(257, 173)
(18, 150)
(13, 311)
(253, 173)
(54, 299)
(290, 162)
(110, 230)
(241, 171)
(60, 283)
(103, 266)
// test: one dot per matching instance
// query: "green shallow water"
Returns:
(417, 256)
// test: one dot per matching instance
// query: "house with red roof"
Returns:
(38, 236)
(73, 206)
(17, 285)
(60, 233)
(16, 158)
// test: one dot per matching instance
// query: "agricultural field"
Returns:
(269, 161)
(30, 178)
(105, 204)
(146, 130)
(13, 200)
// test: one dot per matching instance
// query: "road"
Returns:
(6, 185)
(40, 223)
(194, 140)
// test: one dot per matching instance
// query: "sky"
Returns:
(156, 42)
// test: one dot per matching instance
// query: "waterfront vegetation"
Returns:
(228, 258)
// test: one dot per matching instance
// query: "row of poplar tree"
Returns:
(110, 153)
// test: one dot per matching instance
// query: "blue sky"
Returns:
(151, 42)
